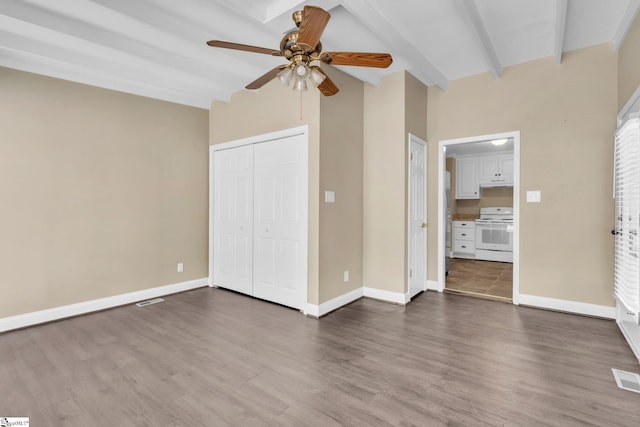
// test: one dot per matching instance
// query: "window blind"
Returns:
(627, 208)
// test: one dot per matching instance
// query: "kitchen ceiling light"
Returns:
(499, 141)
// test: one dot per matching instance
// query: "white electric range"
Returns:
(494, 234)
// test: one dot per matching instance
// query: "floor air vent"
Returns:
(153, 301)
(627, 380)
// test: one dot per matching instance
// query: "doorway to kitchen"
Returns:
(478, 190)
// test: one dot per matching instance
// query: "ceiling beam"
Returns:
(62, 69)
(373, 20)
(625, 23)
(41, 42)
(561, 29)
(470, 7)
(188, 60)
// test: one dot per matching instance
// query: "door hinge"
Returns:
(410, 273)
(411, 156)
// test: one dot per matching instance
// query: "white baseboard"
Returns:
(628, 323)
(632, 335)
(568, 306)
(394, 297)
(333, 304)
(56, 313)
(433, 285)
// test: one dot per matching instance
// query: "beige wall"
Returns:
(392, 110)
(103, 193)
(566, 116)
(489, 197)
(369, 178)
(384, 184)
(629, 64)
(415, 95)
(272, 108)
(341, 162)
(335, 164)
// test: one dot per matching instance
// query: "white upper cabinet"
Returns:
(483, 170)
(467, 186)
(495, 170)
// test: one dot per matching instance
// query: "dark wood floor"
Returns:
(482, 279)
(210, 357)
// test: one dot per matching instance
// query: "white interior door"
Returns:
(417, 216)
(280, 221)
(233, 219)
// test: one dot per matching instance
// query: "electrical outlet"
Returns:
(346, 276)
(180, 267)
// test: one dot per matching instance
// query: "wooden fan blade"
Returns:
(359, 59)
(314, 21)
(265, 78)
(244, 47)
(327, 87)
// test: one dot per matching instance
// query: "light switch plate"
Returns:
(534, 196)
(329, 197)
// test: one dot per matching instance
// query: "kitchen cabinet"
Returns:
(467, 185)
(464, 239)
(495, 170)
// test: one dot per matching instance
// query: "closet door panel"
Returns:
(233, 219)
(280, 228)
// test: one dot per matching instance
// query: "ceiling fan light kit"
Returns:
(302, 47)
(316, 77)
(300, 85)
(285, 76)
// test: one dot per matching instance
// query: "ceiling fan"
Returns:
(301, 46)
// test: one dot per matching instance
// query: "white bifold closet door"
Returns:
(260, 220)
(280, 221)
(233, 219)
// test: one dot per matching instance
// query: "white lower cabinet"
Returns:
(260, 220)
(464, 239)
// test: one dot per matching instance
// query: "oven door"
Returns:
(494, 236)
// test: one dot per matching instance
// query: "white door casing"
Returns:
(516, 204)
(418, 230)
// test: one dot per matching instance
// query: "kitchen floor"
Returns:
(482, 279)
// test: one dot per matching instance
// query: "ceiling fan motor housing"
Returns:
(289, 46)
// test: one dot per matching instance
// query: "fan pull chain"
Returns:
(300, 105)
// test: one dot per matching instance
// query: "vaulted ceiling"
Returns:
(156, 48)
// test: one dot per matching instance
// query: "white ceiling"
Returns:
(156, 48)
(478, 147)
